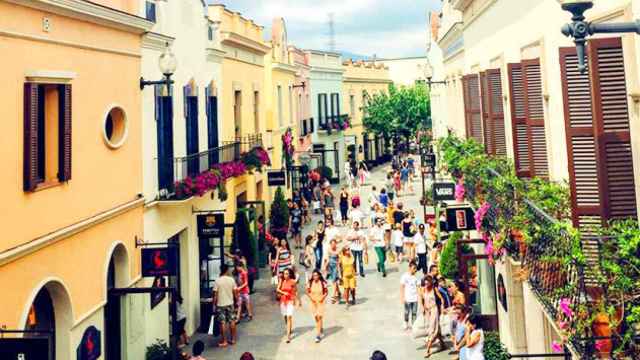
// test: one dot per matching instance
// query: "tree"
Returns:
(243, 237)
(401, 112)
(279, 215)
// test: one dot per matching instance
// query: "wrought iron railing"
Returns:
(246, 142)
(334, 123)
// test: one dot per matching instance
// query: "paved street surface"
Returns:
(375, 323)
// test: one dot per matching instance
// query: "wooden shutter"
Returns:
(519, 121)
(30, 161)
(487, 126)
(534, 111)
(64, 132)
(611, 122)
(473, 116)
(496, 111)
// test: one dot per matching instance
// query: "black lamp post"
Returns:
(579, 29)
(428, 75)
(167, 64)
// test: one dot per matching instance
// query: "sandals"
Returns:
(223, 344)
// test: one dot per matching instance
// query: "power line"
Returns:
(332, 33)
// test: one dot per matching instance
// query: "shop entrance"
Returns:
(113, 307)
(332, 164)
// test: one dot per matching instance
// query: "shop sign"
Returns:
(276, 178)
(444, 191)
(460, 219)
(210, 225)
(90, 347)
(159, 261)
(26, 348)
(428, 160)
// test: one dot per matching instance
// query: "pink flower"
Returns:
(565, 307)
(601, 345)
(488, 248)
(563, 325)
(557, 347)
(459, 194)
(480, 214)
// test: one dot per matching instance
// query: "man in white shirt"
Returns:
(376, 235)
(409, 294)
(358, 245)
(356, 215)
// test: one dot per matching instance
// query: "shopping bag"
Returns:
(445, 325)
(419, 328)
(392, 256)
(366, 258)
(211, 325)
(316, 205)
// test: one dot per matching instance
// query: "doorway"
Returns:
(112, 317)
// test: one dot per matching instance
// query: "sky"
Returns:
(386, 28)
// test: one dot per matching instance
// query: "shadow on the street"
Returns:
(332, 330)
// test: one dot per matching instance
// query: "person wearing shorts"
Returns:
(244, 299)
(224, 293)
(348, 272)
(397, 238)
(287, 289)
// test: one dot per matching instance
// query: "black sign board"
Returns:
(159, 261)
(276, 178)
(90, 348)
(428, 160)
(460, 218)
(444, 191)
(210, 225)
(26, 348)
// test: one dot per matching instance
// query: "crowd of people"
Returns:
(326, 264)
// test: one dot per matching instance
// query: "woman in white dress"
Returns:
(474, 338)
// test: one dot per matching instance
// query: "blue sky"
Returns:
(387, 28)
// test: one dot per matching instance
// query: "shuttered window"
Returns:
(212, 126)
(46, 157)
(492, 113)
(191, 116)
(598, 136)
(527, 119)
(164, 132)
(472, 108)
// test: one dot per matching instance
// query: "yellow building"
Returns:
(360, 81)
(72, 178)
(244, 98)
(280, 77)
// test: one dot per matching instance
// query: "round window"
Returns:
(115, 128)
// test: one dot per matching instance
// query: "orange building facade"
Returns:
(71, 183)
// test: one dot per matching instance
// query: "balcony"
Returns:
(335, 123)
(306, 127)
(192, 165)
(246, 142)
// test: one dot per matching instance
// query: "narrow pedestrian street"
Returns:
(375, 323)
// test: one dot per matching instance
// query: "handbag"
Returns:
(366, 258)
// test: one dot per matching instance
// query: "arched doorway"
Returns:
(49, 315)
(117, 277)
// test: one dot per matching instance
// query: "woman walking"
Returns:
(348, 272)
(397, 183)
(288, 299)
(317, 292)
(363, 172)
(376, 234)
(431, 313)
(331, 269)
(284, 259)
(344, 206)
(318, 246)
(421, 249)
(408, 232)
(474, 338)
(328, 203)
(390, 187)
(309, 260)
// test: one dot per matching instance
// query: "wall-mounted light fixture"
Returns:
(428, 74)
(579, 29)
(167, 63)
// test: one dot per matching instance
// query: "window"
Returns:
(601, 176)
(115, 128)
(256, 112)
(164, 133)
(213, 140)
(322, 110)
(473, 118)
(191, 117)
(352, 105)
(237, 112)
(492, 113)
(47, 134)
(150, 8)
(290, 104)
(280, 117)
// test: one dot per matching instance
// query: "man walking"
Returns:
(357, 244)
(376, 234)
(225, 292)
(409, 294)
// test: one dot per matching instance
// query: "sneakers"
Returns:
(317, 339)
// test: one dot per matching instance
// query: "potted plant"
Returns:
(279, 216)
(158, 351)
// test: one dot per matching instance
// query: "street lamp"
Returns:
(428, 74)
(167, 63)
(579, 29)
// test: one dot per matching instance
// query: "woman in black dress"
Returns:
(344, 205)
(319, 244)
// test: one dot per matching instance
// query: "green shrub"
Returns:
(449, 257)
(158, 351)
(243, 237)
(279, 215)
(493, 348)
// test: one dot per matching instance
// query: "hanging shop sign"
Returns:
(90, 348)
(210, 225)
(159, 261)
(276, 178)
(460, 219)
(25, 348)
(444, 191)
(502, 292)
(428, 160)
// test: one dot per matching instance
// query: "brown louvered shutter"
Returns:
(487, 126)
(30, 161)
(519, 121)
(613, 136)
(496, 111)
(581, 143)
(472, 106)
(534, 112)
(64, 132)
